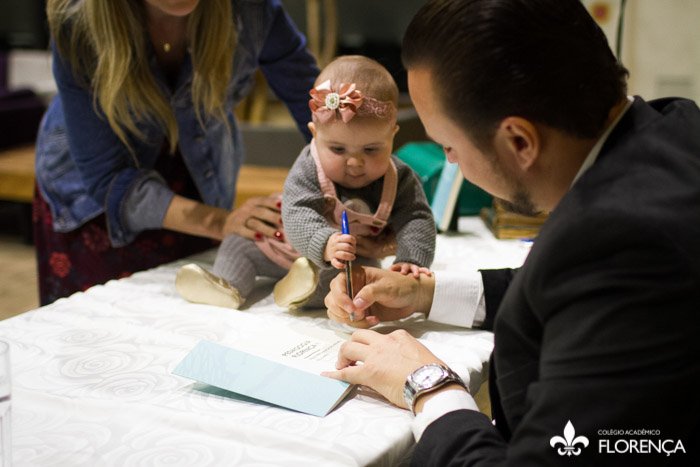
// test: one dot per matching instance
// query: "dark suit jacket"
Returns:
(601, 325)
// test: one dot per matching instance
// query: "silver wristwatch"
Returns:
(426, 379)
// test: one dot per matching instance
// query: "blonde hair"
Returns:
(106, 43)
(371, 78)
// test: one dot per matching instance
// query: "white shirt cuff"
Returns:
(458, 299)
(439, 405)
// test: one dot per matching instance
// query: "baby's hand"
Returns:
(409, 268)
(340, 248)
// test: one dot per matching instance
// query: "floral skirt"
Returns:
(73, 261)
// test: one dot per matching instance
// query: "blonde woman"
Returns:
(138, 155)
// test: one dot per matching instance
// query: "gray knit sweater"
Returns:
(303, 212)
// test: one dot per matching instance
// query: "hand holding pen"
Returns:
(340, 248)
(345, 229)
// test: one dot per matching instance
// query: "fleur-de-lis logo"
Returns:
(569, 441)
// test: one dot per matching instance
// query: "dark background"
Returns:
(367, 27)
(23, 24)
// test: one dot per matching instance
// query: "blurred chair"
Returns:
(322, 40)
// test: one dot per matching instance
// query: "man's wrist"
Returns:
(423, 398)
(427, 292)
(426, 379)
(456, 297)
(438, 405)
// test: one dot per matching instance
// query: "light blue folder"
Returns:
(260, 378)
(446, 194)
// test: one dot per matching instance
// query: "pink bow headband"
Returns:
(326, 104)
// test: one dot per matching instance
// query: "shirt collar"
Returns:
(595, 151)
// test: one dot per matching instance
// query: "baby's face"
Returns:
(356, 153)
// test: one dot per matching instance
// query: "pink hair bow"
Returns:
(325, 103)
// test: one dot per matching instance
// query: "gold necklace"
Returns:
(166, 47)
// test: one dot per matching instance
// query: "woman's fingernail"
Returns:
(279, 204)
(279, 236)
(258, 236)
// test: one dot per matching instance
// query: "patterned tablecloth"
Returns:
(92, 382)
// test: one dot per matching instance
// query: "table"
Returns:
(92, 382)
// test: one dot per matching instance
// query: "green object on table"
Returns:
(427, 159)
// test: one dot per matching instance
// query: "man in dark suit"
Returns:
(596, 336)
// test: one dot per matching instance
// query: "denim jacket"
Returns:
(83, 169)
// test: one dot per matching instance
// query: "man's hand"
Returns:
(386, 361)
(381, 296)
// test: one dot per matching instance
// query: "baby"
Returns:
(348, 166)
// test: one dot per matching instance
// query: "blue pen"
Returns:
(345, 229)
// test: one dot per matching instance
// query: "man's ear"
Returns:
(312, 128)
(521, 138)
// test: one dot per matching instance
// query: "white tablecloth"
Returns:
(92, 382)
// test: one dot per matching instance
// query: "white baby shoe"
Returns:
(297, 287)
(198, 285)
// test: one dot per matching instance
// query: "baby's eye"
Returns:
(337, 149)
(371, 150)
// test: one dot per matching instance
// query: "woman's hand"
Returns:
(381, 296)
(257, 217)
(386, 361)
(377, 247)
(339, 249)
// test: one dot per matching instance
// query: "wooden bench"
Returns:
(17, 174)
(17, 177)
(257, 180)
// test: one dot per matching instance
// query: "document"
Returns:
(278, 365)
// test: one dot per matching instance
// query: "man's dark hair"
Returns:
(544, 60)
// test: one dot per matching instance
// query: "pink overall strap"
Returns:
(386, 203)
(326, 183)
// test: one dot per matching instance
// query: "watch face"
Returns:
(428, 376)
